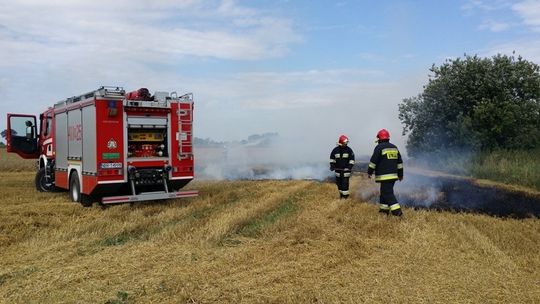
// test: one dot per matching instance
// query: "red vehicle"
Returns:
(110, 146)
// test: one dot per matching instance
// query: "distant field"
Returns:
(12, 162)
(257, 241)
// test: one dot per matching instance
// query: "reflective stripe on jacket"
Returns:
(342, 157)
(386, 162)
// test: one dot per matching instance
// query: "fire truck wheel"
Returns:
(74, 188)
(41, 182)
(86, 200)
(75, 192)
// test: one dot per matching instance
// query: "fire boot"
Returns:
(396, 210)
(383, 208)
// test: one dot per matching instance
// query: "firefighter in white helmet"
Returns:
(341, 162)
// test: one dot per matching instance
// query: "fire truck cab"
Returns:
(110, 146)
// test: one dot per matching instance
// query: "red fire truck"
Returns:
(110, 146)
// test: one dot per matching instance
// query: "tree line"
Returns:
(474, 103)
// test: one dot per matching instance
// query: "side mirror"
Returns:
(30, 133)
(30, 130)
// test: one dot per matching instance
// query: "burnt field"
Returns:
(422, 189)
(465, 195)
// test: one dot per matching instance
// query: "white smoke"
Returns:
(419, 191)
(368, 193)
(415, 190)
(276, 158)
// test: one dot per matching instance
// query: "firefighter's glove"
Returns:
(332, 168)
(369, 176)
(400, 178)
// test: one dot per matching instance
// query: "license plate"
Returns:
(111, 165)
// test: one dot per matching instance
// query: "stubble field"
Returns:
(256, 242)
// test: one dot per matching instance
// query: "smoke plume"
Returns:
(261, 157)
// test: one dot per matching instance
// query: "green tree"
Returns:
(475, 103)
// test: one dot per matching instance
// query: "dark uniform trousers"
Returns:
(342, 182)
(387, 199)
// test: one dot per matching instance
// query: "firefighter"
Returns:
(341, 162)
(387, 164)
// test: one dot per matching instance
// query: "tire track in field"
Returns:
(183, 224)
(213, 197)
(227, 221)
(273, 218)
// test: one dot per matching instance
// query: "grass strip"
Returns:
(255, 226)
(139, 234)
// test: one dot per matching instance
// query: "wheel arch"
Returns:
(75, 169)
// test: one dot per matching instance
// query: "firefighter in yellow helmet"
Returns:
(341, 162)
(387, 164)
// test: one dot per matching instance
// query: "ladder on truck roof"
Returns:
(103, 91)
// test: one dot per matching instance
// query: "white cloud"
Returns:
(494, 26)
(51, 50)
(496, 18)
(471, 6)
(528, 49)
(529, 11)
(288, 90)
(33, 31)
(230, 8)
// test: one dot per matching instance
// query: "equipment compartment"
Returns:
(147, 143)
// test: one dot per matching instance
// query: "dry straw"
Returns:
(257, 242)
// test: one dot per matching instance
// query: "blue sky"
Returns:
(309, 70)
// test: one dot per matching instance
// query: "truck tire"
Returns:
(86, 200)
(74, 188)
(41, 182)
(75, 191)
